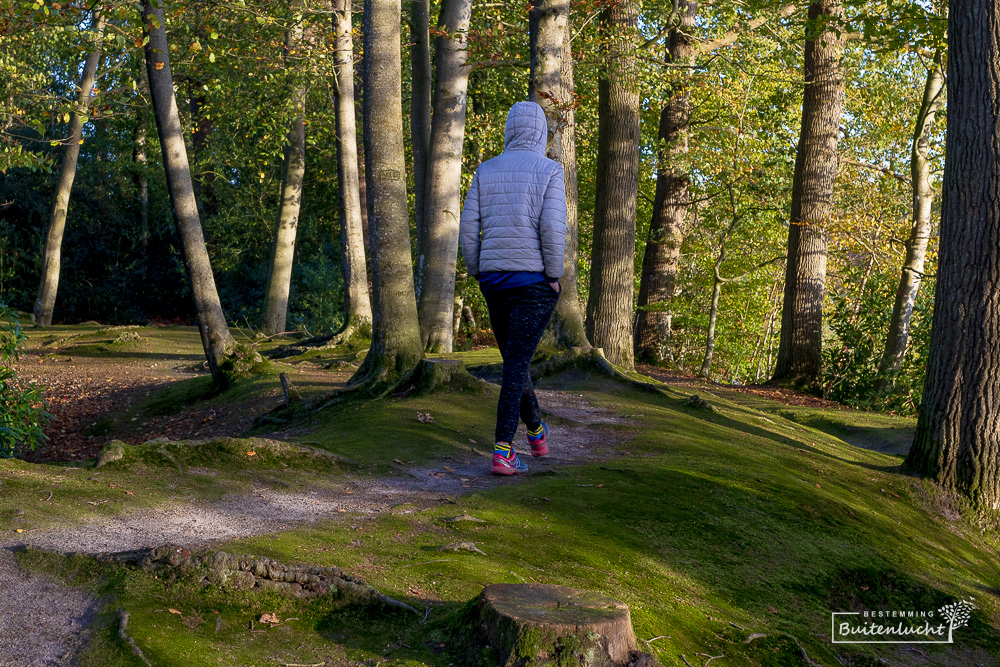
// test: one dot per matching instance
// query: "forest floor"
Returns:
(732, 531)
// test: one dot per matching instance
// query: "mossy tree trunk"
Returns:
(290, 202)
(957, 442)
(357, 305)
(653, 320)
(920, 231)
(215, 336)
(800, 350)
(444, 178)
(551, 85)
(52, 255)
(612, 274)
(395, 347)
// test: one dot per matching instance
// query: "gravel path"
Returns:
(44, 623)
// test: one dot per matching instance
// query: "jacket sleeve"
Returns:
(552, 224)
(470, 227)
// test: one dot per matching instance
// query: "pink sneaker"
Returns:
(537, 441)
(503, 465)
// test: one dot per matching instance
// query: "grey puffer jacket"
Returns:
(515, 212)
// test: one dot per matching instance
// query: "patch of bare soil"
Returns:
(84, 392)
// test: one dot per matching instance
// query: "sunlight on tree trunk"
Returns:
(357, 305)
(395, 347)
(444, 178)
(293, 172)
(215, 336)
(612, 274)
(920, 232)
(800, 351)
(551, 85)
(52, 256)
(670, 203)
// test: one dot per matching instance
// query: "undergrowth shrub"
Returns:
(23, 415)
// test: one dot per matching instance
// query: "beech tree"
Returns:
(357, 305)
(957, 441)
(395, 346)
(215, 336)
(612, 274)
(800, 351)
(670, 203)
(283, 249)
(920, 233)
(551, 85)
(444, 177)
(52, 254)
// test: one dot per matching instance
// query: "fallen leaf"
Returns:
(473, 441)
(129, 493)
(772, 610)
(251, 453)
(174, 611)
(269, 618)
(20, 530)
(449, 469)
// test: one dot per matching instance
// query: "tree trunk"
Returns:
(800, 351)
(357, 306)
(612, 274)
(957, 441)
(666, 228)
(139, 161)
(444, 178)
(52, 257)
(551, 85)
(215, 336)
(395, 347)
(420, 121)
(916, 246)
(283, 250)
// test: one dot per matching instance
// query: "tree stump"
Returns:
(539, 624)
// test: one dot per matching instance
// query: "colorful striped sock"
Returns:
(504, 450)
(535, 433)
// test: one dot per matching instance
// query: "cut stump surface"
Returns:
(541, 624)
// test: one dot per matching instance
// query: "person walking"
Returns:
(513, 231)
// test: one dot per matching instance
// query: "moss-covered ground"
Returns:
(752, 518)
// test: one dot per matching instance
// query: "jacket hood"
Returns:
(527, 129)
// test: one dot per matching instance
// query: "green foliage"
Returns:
(22, 409)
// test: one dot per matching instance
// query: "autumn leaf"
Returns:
(159, 65)
(251, 453)
(269, 618)
(174, 611)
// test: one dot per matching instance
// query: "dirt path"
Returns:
(44, 623)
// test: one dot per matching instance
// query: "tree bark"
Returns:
(215, 336)
(957, 441)
(800, 350)
(357, 305)
(444, 174)
(612, 273)
(420, 122)
(666, 228)
(395, 347)
(52, 257)
(920, 232)
(283, 250)
(551, 85)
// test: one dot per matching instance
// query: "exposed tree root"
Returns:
(123, 635)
